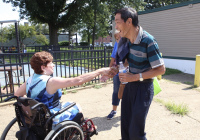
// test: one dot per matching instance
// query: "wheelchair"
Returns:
(34, 122)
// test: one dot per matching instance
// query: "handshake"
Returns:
(110, 73)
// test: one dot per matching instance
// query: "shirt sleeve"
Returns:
(154, 56)
(114, 50)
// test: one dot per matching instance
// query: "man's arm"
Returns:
(129, 77)
(112, 62)
(126, 63)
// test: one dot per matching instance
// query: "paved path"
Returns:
(160, 125)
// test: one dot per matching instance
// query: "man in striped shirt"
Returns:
(145, 62)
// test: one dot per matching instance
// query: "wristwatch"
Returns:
(141, 79)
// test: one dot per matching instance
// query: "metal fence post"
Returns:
(105, 62)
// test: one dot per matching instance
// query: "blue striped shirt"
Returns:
(144, 53)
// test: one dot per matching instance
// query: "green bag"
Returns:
(156, 85)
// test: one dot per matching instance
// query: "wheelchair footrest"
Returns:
(89, 128)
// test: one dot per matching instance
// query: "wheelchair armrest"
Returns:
(59, 112)
(67, 107)
(9, 98)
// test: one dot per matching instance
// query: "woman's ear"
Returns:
(43, 68)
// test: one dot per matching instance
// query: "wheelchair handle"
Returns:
(9, 98)
(38, 104)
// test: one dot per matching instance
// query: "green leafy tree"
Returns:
(41, 39)
(26, 31)
(152, 4)
(71, 31)
(95, 21)
(98, 16)
(41, 28)
(56, 13)
(3, 34)
(117, 4)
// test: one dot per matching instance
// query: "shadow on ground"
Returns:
(182, 78)
(103, 124)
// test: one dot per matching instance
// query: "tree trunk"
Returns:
(69, 37)
(53, 35)
(94, 27)
(88, 33)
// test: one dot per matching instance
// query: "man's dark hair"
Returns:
(129, 13)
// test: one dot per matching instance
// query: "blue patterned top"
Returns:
(36, 89)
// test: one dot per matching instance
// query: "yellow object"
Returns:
(197, 71)
(157, 88)
(159, 77)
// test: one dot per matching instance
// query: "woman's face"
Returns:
(49, 69)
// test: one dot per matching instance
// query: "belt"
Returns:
(147, 80)
(144, 81)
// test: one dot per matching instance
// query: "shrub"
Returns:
(63, 43)
(84, 44)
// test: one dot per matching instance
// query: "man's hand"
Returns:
(128, 77)
(113, 71)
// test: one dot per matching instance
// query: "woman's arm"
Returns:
(56, 83)
(21, 91)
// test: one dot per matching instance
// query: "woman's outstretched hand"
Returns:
(109, 73)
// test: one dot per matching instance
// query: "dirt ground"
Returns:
(161, 124)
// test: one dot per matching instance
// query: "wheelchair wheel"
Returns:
(10, 130)
(67, 130)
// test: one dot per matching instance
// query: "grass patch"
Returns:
(74, 91)
(88, 83)
(172, 71)
(64, 92)
(97, 86)
(158, 100)
(180, 109)
(188, 83)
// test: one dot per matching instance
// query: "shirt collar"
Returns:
(139, 36)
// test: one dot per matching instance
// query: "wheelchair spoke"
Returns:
(68, 133)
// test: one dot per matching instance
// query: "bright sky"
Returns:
(6, 13)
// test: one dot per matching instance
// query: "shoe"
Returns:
(111, 115)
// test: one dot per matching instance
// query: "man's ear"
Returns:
(129, 20)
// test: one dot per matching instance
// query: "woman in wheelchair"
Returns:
(47, 89)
